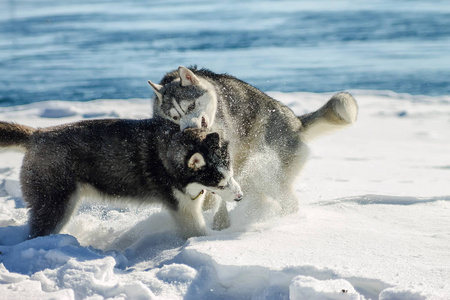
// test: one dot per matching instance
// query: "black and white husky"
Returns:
(142, 160)
(267, 140)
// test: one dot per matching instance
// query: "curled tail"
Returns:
(15, 136)
(341, 110)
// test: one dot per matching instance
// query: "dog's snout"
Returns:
(238, 197)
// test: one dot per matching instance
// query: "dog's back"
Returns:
(112, 155)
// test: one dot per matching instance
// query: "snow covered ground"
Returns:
(374, 220)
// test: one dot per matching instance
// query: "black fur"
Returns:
(14, 135)
(143, 160)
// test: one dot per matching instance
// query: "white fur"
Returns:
(174, 114)
(177, 108)
(347, 109)
(344, 106)
(189, 214)
(73, 204)
(319, 128)
(231, 190)
(205, 108)
(13, 148)
(185, 104)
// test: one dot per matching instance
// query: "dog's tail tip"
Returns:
(345, 106)
(339, 112)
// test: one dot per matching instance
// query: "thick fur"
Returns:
(15, 137)
(148, 161)
(267, 140)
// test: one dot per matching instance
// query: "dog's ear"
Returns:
(212, 139)
(187, 77)
(156, 88)
(196, 161)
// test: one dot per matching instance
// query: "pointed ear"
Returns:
(187, 77)
(156, 88)
(196, 161)
(213, 139)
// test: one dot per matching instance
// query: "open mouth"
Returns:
(204, 124)
(238, 198)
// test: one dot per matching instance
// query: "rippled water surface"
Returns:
(82, 50)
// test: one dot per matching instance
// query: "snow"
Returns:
(374, 219)
(304, 287)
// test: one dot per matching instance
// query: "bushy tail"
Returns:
(15, 135)
(340, 111)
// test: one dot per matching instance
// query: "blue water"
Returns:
(83, 50)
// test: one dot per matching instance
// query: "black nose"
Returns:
(238, 198)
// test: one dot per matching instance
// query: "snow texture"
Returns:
(373, 223)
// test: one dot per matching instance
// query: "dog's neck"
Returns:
(195, 191)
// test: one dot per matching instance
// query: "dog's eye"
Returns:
(222, 187)
(176, 118)
(191, 107)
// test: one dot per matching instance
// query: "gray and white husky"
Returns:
(267, 140)
(146, 161)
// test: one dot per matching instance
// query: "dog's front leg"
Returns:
(219, 207)
(189, 216)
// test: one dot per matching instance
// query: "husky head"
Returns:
(187, 100)
(202, 162)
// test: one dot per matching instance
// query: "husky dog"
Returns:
(146, 161)
(267, 140)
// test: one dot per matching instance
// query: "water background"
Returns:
(83, 50)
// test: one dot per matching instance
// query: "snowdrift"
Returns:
(373, 223)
